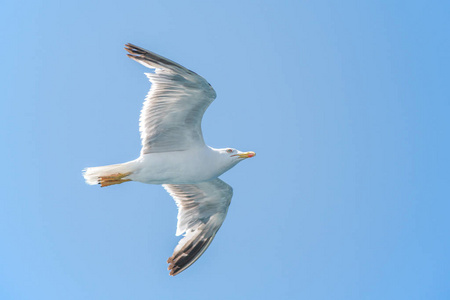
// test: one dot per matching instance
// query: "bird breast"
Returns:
(177, 167)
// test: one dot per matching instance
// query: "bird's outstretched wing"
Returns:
(173, 109)
(202, 208)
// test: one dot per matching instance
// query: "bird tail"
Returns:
(108, 175)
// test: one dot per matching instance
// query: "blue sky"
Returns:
(346, 104)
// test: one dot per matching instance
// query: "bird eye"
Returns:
(229, 150)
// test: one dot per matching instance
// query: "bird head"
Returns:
(237, 155)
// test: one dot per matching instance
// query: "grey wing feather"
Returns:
(202, 208)
(173, 109)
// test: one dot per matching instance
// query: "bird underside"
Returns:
(175, 155)
(117, 178)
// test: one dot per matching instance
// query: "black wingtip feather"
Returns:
(186, 257)
(139, 53)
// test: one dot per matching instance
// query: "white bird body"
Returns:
(175, 155)
(180, 167)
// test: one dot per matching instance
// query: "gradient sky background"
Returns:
(346, 104)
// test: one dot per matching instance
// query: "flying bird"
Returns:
(175, 155)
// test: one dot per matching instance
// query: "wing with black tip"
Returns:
(202, 208)
(173, 109)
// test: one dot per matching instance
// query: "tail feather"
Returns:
(92, 175)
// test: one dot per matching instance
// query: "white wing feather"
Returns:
(173, 109)
(202, 208)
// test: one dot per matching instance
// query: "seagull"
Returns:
(175, 155)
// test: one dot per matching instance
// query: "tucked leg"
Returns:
(113, 179)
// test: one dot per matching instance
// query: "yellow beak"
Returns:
(245, 154)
